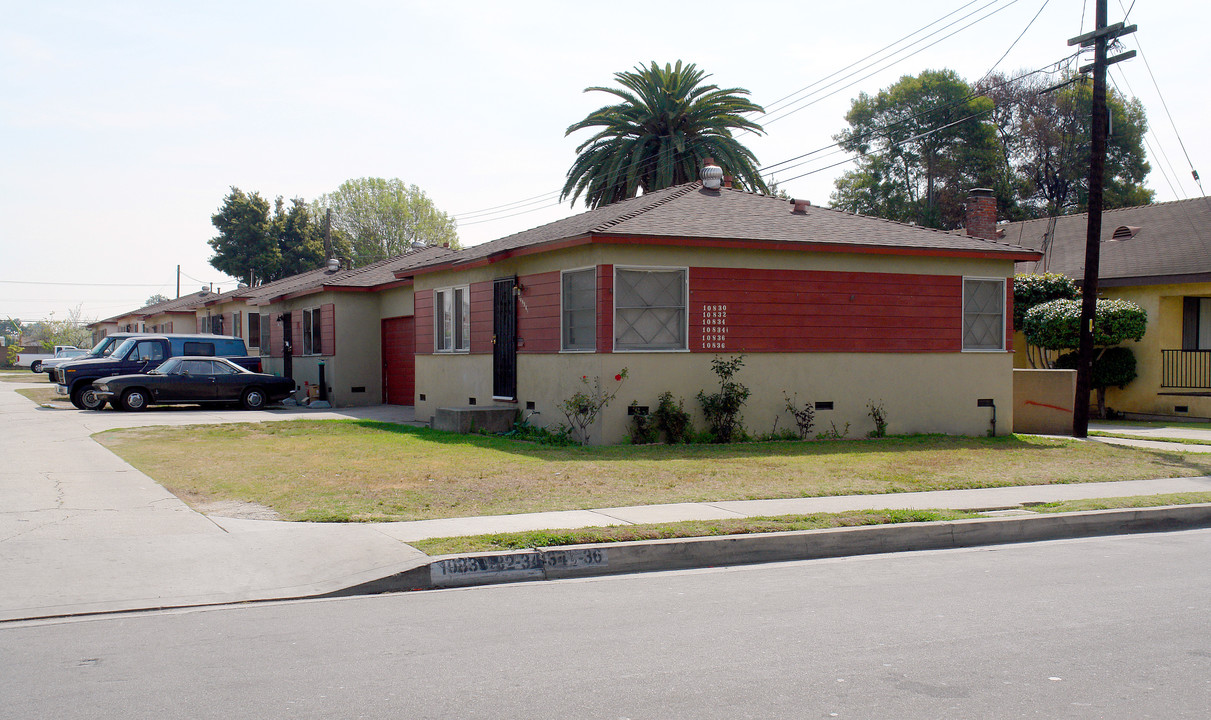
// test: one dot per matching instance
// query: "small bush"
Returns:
(833, 433)
(643, 429)
(878, 413)
(523, 430)
(722, 409)
(672, 420)
(804, 416)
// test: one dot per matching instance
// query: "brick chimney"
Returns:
(981, 217)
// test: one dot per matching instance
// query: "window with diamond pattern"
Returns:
(983, 314)
(650, 310)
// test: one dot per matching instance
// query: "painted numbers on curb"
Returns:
(530, 565)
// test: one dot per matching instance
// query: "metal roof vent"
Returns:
(800, 206)
(334, 264)
(711, 175)
(1124, 232)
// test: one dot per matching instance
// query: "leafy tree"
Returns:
(667, 124)
(300, 241)
(69, 331)
(924, 142)
(156, 299)
(1031, 290)
(244, 247)
(1056, 325)
(380, 218)
(1045, 139)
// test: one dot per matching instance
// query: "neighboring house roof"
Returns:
(727, 216)
(376, 274)
(1149, 244)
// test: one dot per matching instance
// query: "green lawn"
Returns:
(370, 471)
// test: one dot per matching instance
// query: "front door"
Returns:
(287, 346)
(504, 339)
(399, 360)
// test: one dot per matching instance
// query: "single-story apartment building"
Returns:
(828, 307)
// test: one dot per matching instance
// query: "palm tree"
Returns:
(667, 124)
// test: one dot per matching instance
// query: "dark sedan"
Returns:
(190, 380)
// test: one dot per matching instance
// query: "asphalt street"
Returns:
(1112, 627)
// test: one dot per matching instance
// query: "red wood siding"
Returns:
(328, 329)
(538, 325)
(743, 310)
(605, 308)
(423, 313)
(481, 317)
(399, 360)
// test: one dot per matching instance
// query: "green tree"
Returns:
(1044, 140)
(923, 143)
(245, 247)
(300, 241)
(1031, 290)
(70, 330)
(156, 299)
(380, 218)
(1056, 325)
(667, 124)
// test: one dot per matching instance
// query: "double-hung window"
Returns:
(650, 309)
(311, 332)
(452, 319)
(578, 309)
(983, 313)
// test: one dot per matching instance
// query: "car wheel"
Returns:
(134, 400)
(36, 366)
(86, 399)
(253, 399)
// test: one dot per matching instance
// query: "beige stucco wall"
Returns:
(920, 392)
(396, 302)
(357, 362)
(1042, 401)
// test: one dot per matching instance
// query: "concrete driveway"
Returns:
(82, 531)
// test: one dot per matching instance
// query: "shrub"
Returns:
(722, 409)
(878, 413)
(643, 429)
(804, 416)
(672, 420)
(586, 404)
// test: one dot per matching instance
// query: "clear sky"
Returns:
(123, 124)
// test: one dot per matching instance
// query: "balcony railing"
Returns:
(1186, 369)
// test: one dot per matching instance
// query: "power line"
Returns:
(1015, 42)
(83, 284)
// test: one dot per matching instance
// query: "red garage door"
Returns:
(399, 361)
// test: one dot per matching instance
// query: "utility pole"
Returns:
(178, 281)
(1099, 38)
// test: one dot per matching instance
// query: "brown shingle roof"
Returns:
(367, 276)
(1172, 238)
(690, 211)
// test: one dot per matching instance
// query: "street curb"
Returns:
(579, 561)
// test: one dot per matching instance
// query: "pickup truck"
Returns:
(33, 360)
(141, 354)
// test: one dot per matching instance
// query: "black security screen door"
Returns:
(287, 346)
(504, 339)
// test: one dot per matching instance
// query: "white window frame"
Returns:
(315, 337)
(685, 314)
(963, 315)
(460, 320)
(563, 324)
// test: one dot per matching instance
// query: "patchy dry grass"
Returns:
(370, 471)
(45, 396)
(704, 528)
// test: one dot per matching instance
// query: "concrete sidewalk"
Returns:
(83, 532)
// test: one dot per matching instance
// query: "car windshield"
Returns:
(171, 366)
(125, 347)
(103, 348)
